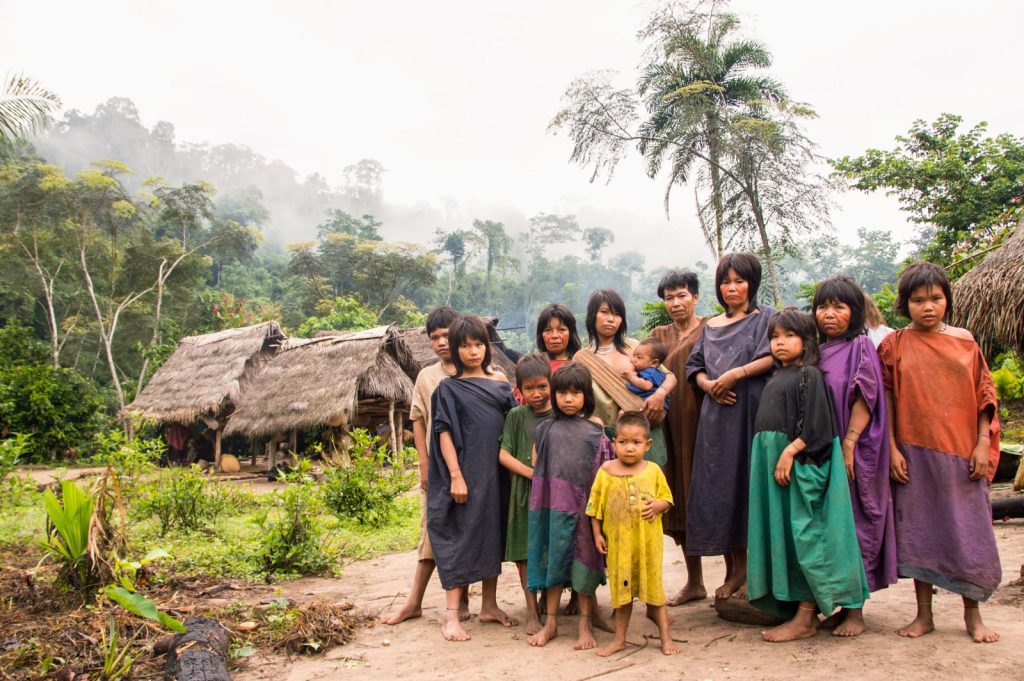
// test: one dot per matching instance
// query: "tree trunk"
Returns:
(762, 230)
(716, 186)
(391, 424)
(200, 654)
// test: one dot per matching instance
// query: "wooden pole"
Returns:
(293, 442)
(391, 422)
(216, 449)
(401, 429)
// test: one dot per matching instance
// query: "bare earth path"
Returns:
(712, 648)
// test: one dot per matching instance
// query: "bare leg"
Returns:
(489, 610)
(853, 623)
(532, 613)
(573, 606)
(738, 579)
(452, 628)
(550, 628)
(923, 622)
(668, 647)
(464, 605)
(694, 589)
(586, 639)
(975, 627)
(413, 607)
(803, 625)
(621, 625)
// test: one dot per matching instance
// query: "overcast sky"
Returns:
(454, 97)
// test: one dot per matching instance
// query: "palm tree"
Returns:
(25, 108)
(699, 79)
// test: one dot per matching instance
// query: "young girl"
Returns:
(569, 449)
(626, 502)
(803, 551)
(533, 378)
(944, 451)
(853, 374)
(463, 492)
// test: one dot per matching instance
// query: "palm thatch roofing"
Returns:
(206, 374)
(989, 300)
(419, 344)
(325, 381)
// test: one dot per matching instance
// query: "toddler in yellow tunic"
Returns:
(634, 544)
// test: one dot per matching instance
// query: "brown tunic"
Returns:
(681, 425)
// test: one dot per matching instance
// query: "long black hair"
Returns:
(922, 274)
(611, 298)
(470, 327)
(748, 268)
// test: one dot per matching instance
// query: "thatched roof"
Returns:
(207, 374)
(989, 300)
(325, 381)
(419, 344)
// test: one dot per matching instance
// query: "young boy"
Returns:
(438, 321)
(627, 500)
(533, 379)
(647, 376)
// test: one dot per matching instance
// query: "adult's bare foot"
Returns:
(586, 640)
(852, 625)
(833, 620)
(921, 625)
(452, 631)
(792, 630)
(732, 586)
(977, 629)
(687, 594)
(547, 633)
(611, 648)
(492, 613)
(533, 625)
(602, 623)
(406, 613)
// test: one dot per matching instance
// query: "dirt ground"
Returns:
(712, 648)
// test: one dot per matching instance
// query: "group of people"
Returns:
(820, 466)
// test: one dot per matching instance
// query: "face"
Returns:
(787, 346)
(927, 307)
(833, 318)
(471, 353)
(439, 343)
(679, 303)
(537, 393)
(570, 402)
(642, 358)
(607, 321)
(556, 337)
(735, 290)
(631, 443)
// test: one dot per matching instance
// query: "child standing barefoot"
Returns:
(626, 502)
(569, 450)
(803, 549)
(533, 378)
(944, 452)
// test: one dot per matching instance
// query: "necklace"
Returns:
(604, 350)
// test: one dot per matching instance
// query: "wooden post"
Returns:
(391, 423)
(293, 443)
(401, 429)
(254, 448)
(216, 448)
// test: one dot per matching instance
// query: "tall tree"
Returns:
(25, 108)
(494, 242)
(597, 239)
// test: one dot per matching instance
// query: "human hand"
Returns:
(654, 407)
(727, 399)
(898, 465)
(727, 380)
(979, 459)
(848, 448)
(653, 508)
(600, 544)
(784, 467)
(460, 492)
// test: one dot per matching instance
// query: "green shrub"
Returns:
(1008, 377)
(182, 498)
(68, 522)
(129, 458)
(293, 540)
(366, 488)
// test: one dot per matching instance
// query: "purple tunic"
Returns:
(853, 369)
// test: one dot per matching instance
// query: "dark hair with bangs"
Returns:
(748, 267)
(675, 279)
(634, 418)
(610, 297)
(463, 329)
(564, 315)
(802, 324)
(530, 366)
(573, 376)
(440, 318)
(922, 274)
(841, 289)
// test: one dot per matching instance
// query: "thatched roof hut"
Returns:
(989, 300)
(326, 381)
(207, 374)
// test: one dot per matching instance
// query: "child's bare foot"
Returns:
(612, 648)
(792, 630)
(548, 632)
(492, 613)
(406, 613)
(921, 625)
(976, 628)
(688, 593)
(732, 587)
(452, 630)
(573, 606)
(533, 625)
(670, 648)
(586, 641)
(852, 625)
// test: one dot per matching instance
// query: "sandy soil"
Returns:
(712, 648)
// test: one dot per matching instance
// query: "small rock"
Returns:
(386, 642)
(247, 626)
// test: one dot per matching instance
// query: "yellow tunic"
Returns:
(634, 544)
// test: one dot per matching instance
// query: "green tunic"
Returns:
(517, 440)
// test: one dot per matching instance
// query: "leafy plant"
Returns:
(13, 489)
(129, 458)
(654, 314)
(124, 592)
(68, 522)
(182, 498)
(366, 488)
(117, 660)
(293, 540)
(1008, 377)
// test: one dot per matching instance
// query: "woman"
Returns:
(680, 291)
(728, 363)
(556, 335)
